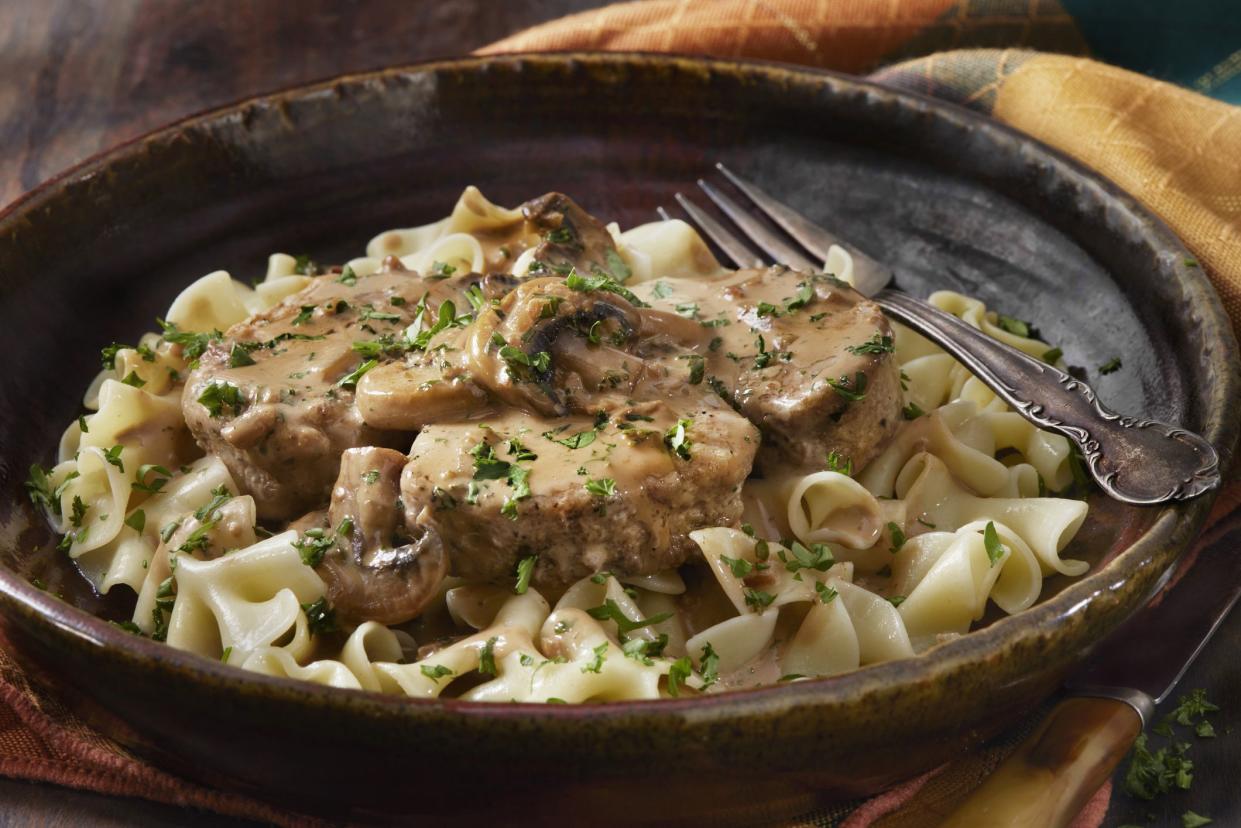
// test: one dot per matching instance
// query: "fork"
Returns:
(1133, 460)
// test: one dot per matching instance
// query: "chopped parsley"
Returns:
(710, 666)
(137, 521)
(898, 537)
(896, 600)
(678, 673)
(313, 545)
(1014, 326)
(758, 599)
(517, 360)
(740, 567)
(855, 394)
(441, 270)
(826, 593)
(320, 617)
(677, 440)
(596, 662)
(661, 290)
(1052, 356)
(239, 356)
(221, 395)
(818, 557)
(525, 568)
(113, 456)
(574, 441)
(839, 464)
(912, 411)
(1111, 366)
(350, 380)
(689, 310)
(487, 657)
(518, 480)
(991, 541)
(162, 476)
(347, 277)
(303, 265)
(877, 344)
(602, 487)
(192, 344)
(435, 672)
(697, 367)
(589, 284)
(304, 315)
(611, 611)
(133, 379)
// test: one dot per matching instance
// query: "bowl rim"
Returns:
(1174, 525)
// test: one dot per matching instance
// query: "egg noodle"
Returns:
(826, 571)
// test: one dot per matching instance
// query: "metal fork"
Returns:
(1133, 460)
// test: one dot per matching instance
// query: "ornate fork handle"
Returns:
(1134, 460)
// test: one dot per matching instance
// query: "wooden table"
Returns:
(77, 77)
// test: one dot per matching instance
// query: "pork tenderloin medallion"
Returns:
(803, 356)
(274, 398)
(582, 495)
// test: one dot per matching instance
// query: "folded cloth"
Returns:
(1176, 151)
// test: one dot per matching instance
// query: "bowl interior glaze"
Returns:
(949, 199)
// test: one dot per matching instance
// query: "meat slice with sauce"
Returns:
(803, 356)
(274, 399)
(581, 495)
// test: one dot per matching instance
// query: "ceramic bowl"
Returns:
(950, 199)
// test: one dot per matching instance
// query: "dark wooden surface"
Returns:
(77, 77)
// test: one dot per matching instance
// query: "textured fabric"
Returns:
(1176, 151)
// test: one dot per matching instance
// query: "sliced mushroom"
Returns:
(378, 570)
(550, 348)
(404, 397)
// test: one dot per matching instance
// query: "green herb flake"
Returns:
(347, 276)
(435, 672)
(313, 545)
(137, 520)
(133, 379)
(709, 663)
(991, 541)
(740, 567)
(1111, 366)
(898, 537)
(596, 662)
(839, 464)
(912, 411)
(525, 568)
(611, 611)
(856, 393)
(218, 396)
(1052, 356)
(678, 674)
(602, 487)
(826, 593)
(677, 440)
(878, 343)
(320, 617)
(1014, 326)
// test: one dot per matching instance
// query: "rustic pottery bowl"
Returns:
(949, 198)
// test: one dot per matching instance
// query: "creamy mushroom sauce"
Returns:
(519, 455)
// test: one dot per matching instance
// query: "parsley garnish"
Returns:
(839, 464)
(697, 367)
(525, 568)
(898, 537)
(740, 566)
(517, 479)
(1014, 326)
(347, 277)
(517, 359)
(818, 557)
(113, 456)
(133, 379)
(1111, 366)
(435, 672)
(441, 270)
(313, 545)
(137, 521)
(877, 344)
(303, 265)
(826, 593)
(192, 344)
(157, 483)
(677, 440)
(681, 670)
(487, 657)
(351, 380)
(574, 441)
(710, 662)
(896, 600)
(661, 290)
(855, 394)
(320, 617)
(39, 489)
(758, 599)
(991, 541)
(912, 411)
(584, 284)
(220, 395)
(239, 356)
(596, 663)
(611, 611)
(303, 316)
(1052, 356)
(603, 487)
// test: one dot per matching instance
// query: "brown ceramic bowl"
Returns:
(950, 198)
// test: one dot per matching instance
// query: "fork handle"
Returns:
(1133, 460)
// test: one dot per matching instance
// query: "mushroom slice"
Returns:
(379, 570)
(403, 397)
(554, 347)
